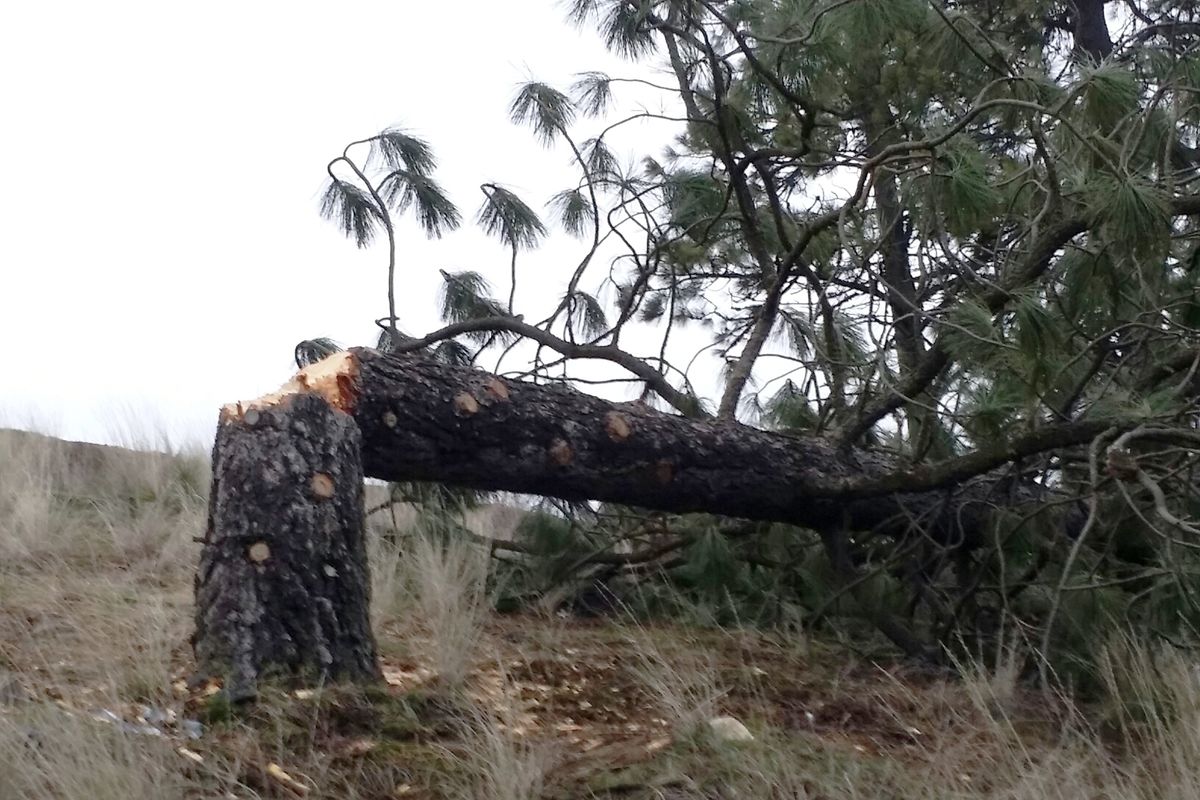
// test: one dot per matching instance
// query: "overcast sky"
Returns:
(160, 244)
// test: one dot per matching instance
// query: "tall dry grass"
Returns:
(47, 753)
(498, 764)
(70, 502)
(433, 583)
(96, 554)
(992, 735)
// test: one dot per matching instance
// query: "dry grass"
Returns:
(498, 764)
(433, 586)
(96, 558)
(683, 684)
(79, 503)
(48, 754)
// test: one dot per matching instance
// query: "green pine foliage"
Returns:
(575, 210)
(505, 216)
(952, 238)
(466, 296)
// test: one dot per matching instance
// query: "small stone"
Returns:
(259, 552)
(729, 729)
(330, 571)
(252, 417)
(390, 419)
(157, 716)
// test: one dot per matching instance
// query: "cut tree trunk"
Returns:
(283, 581)
(283, 585)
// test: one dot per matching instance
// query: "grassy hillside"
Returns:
(96, 556)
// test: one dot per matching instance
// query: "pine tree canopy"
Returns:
(960, 234)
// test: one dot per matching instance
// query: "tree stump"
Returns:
(283, 584)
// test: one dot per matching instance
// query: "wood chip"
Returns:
(276, 773)
(191, 755)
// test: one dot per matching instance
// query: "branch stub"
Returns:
(618, 426)
(321, 485)
(497, 389)
(560, 452)
(259, 552)
(465, 404)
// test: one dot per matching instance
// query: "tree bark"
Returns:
(425, 421)
(282, 585)
(1091, 29)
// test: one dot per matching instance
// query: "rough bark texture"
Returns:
(425, 421)
(282, 584)
(1091, 29)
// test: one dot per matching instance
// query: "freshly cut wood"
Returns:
(282, 586)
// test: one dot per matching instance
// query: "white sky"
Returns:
(160, 247)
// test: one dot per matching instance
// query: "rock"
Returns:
(729, 729)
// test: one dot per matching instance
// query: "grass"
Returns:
(499, 765)
(435, 587)
(49, 754)
(96, 562)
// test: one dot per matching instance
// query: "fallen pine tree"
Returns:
(978, 357)
(283, 581)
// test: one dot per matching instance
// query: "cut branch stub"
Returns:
(322, 485)
(618, 426)
(560, 452)
(496, 388)
(465, 404)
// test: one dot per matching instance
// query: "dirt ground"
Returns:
(605, 709)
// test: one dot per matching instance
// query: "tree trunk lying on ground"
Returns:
(425, 421)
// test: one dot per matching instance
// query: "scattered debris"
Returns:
(191, 755)
(276, 773)
(151, 721)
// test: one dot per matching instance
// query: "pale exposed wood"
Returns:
(334, 378)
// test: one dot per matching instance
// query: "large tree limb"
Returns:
(681, 401)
